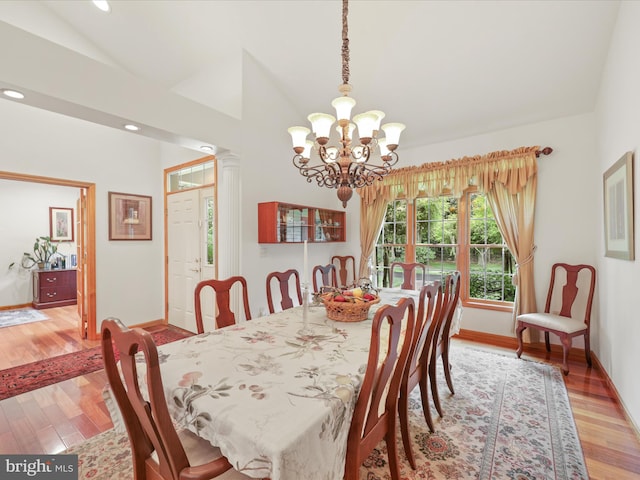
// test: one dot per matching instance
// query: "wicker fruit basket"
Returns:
(355, 310)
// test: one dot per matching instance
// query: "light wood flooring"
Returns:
(53, 418)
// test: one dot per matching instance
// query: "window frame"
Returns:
(463, 257)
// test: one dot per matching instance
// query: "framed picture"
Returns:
(618, 209)
(61, 224)
(129, 216)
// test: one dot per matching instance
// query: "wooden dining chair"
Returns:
(442, 337)
(416, 371)
(346, 269)
(409, 274)
(159, 451)
(375, 414)
(284, 283)
(222, 289)
(563, 314)
(324, 276)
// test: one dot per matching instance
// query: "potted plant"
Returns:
(43, 251)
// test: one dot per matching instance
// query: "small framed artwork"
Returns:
(618, 209)
(129, 216)
(61, 224)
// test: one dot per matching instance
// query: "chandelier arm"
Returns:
(326, 156)
(361, 154)
(325, 175)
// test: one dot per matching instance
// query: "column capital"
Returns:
(228, 159)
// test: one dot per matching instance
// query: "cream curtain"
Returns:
(509, 178)
(371, 218)
(514, 215)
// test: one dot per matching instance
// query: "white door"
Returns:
(191, 250)
(184, 256)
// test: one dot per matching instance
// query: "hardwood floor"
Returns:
(53, 418)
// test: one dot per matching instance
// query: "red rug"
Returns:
(32, 376)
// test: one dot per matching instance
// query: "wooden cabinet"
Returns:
(288, 223)
(54, 288)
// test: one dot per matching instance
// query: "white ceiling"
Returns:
(447, 69)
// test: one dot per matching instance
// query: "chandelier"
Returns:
(346, 166)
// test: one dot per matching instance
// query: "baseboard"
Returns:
(613, 389)
(15, 307)
(153, 323)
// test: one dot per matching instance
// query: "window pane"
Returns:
(491, 272)
(391, 244)
(209, 211)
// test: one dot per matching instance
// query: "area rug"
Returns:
(9, 318)
(509, 419)
(32, 376)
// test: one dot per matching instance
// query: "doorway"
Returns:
(87, 320)
(190, 237)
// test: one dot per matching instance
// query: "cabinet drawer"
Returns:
(54, 279)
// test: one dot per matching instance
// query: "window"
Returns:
(446, 234)
(210, 233)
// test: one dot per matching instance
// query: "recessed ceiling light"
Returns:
(13, 94)
(206, 148)
(102, 5)
(132, 127)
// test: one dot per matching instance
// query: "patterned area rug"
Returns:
(509, 419)
(32, 376)
(9, 318)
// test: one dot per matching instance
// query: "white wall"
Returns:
(565, 227)
(618, 127)
(129, 275)
(25, 216)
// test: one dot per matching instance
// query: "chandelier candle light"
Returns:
(346, 167)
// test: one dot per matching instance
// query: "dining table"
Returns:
(277, 393)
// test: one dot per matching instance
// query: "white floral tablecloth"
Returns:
(277, 400)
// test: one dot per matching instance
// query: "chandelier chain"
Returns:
(345, 43)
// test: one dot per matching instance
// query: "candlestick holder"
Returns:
(305, 330)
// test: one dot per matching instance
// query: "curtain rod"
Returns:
(544, 151)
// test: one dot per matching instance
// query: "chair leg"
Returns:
(566, 347)
(520, 328)
(587, 348)
(546, 341)
(447, 366)
(403, 410)
(392, 448)
(434, 385)
(426, 408)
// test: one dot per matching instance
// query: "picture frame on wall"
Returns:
(129, 216)
(618, 209)
(61, 224)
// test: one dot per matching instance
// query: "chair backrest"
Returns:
(222, 289)
(409, 272)
(429, 311)
(324, 276)
(346, 268)
(574, 297)
(146, 414)
(376, 407)
(451, 295)
(284, 279)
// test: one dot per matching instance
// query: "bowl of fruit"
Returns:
(350, 304)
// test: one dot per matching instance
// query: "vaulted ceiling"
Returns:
(447, 69)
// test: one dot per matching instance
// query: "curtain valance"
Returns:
(510, 168)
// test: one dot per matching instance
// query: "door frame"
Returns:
(167, 171)
(89, 241)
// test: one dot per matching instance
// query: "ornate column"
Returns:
(229, 224)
